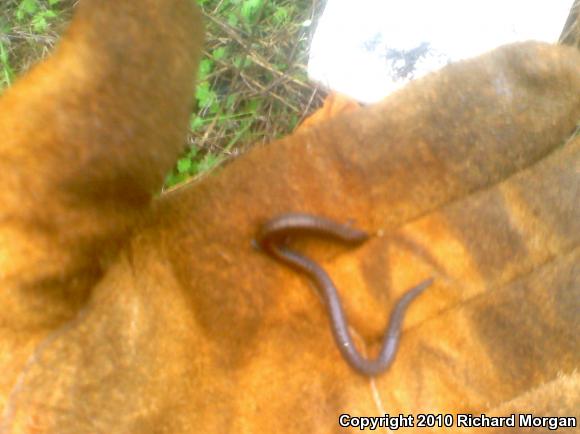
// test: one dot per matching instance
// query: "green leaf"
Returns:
(192, 154)
(250, 9)
(3, 54)
(294, 121)
(219, 53)
(281, 15)
(40, 20)
(205, 68)
(53, 2)
(202, 93)
(184, 165)
(196, 123)
(26, 7)
(7, 74)
(39, 23)
(205, 96)
(233, 19)
(214, 107)
(209, 162)
(174, 179)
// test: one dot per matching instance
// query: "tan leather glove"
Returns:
(469, 176)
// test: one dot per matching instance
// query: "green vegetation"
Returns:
(252, 84)
(26, 26)
(37, 12)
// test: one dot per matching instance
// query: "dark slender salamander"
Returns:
(271, 238)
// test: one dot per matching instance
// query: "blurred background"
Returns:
(254, 83)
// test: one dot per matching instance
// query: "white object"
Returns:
(369, 48)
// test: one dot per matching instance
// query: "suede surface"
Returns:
(126, 312)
